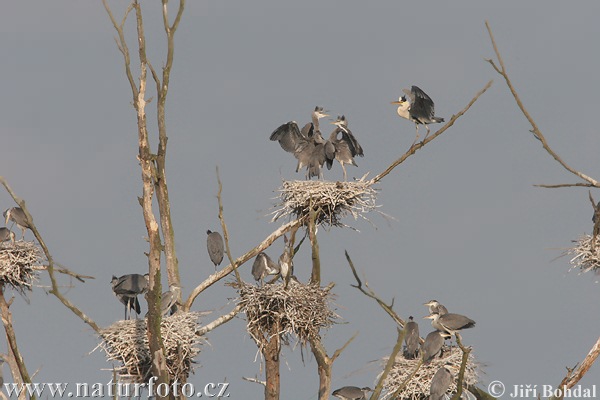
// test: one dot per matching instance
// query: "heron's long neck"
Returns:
(315, 121)
(403, 111)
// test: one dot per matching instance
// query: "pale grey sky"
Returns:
(470, 228)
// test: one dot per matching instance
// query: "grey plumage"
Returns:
(286, 265)
(440, 383)
(432, 345)
(344, 148)
(411, 338)
(127, 288)
(17, 215)
(168, 301)
(352, 393)
(420, 109)
(436, 307)
(450, 323)
(263, 266)
(6, 235)
(215, 247)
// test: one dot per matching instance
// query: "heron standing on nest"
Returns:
(307, 145)
(127, 288)
(411, 338)
(436, 307)
(440, 383)
(352, 393)
(432, 345)
(344, 148)
(215, 247)
(263, 266)
(450, 323)
(169, 299)
(6, 235)
(17, 215)
(419, 109)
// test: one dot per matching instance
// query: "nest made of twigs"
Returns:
(17, 262)
(330, 200)
(271, 309)
(418, 386)
(586, 253)
(126, 342)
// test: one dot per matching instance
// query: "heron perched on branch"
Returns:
(6, 235)
(418, 108)
(215, 247)
(450, 323)
(307, 145)
(127, 288)
(344, 148)
(17, 215)
(352, 393)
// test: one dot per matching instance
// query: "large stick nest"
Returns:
(418, 386)
(586, 253)
(126, 342)
(301, 310)
(17, 262)
(330, 200)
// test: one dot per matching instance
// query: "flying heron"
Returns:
(215, 246)
(263, 266)
(411, 338)
(169, 299)
(17, 215)
(344, 148)
(6, 235)
(418, 109)
(307, 145)
(440, 383)
(436, 307)
(352, 393)
(450, 323)
(127, 288)
(432, 345)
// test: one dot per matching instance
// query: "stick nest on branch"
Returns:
(127, 343)
(585, 256)
(17, 263)
(301, 310)
(418, 387)
(330, 200)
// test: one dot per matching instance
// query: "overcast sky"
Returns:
(470, 229)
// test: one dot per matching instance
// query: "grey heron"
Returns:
(440, 383)
(169, 299)
(418, 109)
(307, 145)
(352, 393)
(411, 338)
(263, 266)
(286, 264)
(450, 323)
(17, 215)
(436, 307)
(215, 247)
(432, 345)
(6, 235)
(344, 148)
(596, 213)
(127, 288)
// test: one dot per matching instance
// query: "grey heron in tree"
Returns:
(127, 288)
(411, 338)
(440, 383)
(17, 215)
(345, 148)
(169, 299)
(436, 307)
(307, 145)
(215, 247)
(263, 266)
(418, 108)
(286, 264)
(450, 323)
(432, 345)
(6, 235)
(352, 393)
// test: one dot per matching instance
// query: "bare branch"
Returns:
(389, 364)
(339, 351)
(219, 321)
(463, 366)
(535, 130)
(562, 185)
(225, 231)
(418, 145)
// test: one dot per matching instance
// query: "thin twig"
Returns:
(389, 364)
(225, 231)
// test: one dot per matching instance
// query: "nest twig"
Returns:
(586, 254)
(418, 387)
(17, 263)
(301, 310)
(331, 200)
(126, 342)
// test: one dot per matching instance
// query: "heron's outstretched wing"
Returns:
(422, 105)
(349, 138)
(411, 95)
(288, 135)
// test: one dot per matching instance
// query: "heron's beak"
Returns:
(396, 102)
(428, 317)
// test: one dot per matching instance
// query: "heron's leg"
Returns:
(344, 169)
(426, 127)
(417, 136)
